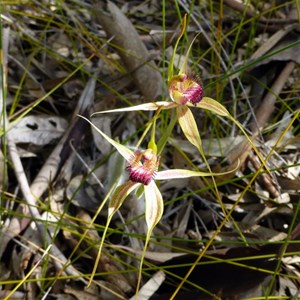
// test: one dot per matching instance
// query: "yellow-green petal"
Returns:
(188, 125)
(182, 173)
(120, 195)
(213, 105)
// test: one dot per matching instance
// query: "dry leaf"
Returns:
(82, 194)
(103, 123)
(151, 286)
(218, 275)
(38, 130)
(132, 50)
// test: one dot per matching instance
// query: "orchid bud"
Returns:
(184, 88)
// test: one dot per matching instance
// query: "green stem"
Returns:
(152, 144)
(171, 64)
(167, 133)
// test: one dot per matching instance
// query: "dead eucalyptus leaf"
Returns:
(103, 123)
(287, 49)
(24, 258)
(155, 256)
(272, 41)
(282, 46)
(289, 184)
(81, 295)
(151, 286)
(280, 129)
(268, 234)
(131, 49)
(82, 194)
(38, 130)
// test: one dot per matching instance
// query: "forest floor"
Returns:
(78, 221)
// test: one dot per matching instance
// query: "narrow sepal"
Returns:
(188, 125)
(124, 151)
(182, 173)
(145, 107)
(213, 105)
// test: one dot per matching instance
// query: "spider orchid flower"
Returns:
(143, 172)
(185, 91)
